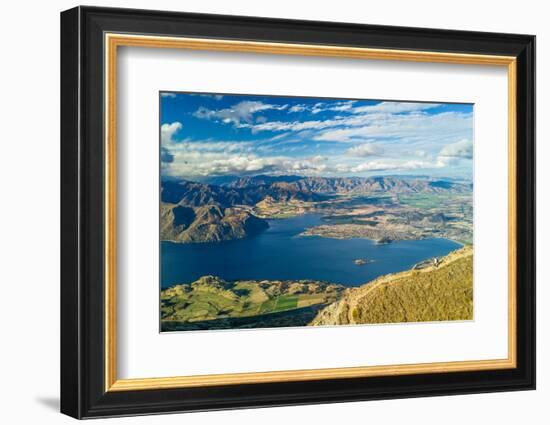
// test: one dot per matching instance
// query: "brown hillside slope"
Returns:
(436, 293)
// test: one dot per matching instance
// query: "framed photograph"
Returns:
(261, 212)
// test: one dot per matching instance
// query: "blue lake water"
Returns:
(278, 253)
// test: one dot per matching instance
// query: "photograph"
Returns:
(282, 210)
(287, 211)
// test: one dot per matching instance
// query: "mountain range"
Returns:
(354, 185)
(199, 212)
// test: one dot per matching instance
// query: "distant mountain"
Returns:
(261, 180)
(198, 212)
(217, 180)
(356, 185)
(198, 194)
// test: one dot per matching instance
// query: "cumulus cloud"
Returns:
(461, 149)
(364, 150)
(207, 157)
(388, 166)
(200, 163)
(167, 132)
(237, 114)
(228, 158)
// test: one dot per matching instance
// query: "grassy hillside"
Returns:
(212, 303)
(434, 293)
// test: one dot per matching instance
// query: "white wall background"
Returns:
(29, 216)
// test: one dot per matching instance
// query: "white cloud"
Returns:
(207, 157)
(237, 114)
(403, 135)
(200, 163)
(394, 107)
(364, 150)
(343, 106)
(318, 107)
(297, 108)
(461, 149)
(261, 119)
(225, 146)
(413, 125)
(167, 132)
(385, 119)
(295, 125)
(188, 158)
(167, 94)
(387, 166)
(421, 153)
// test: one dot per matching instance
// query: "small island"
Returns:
(362, 261)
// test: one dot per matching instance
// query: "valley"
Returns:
(272, 251)
(383, 209)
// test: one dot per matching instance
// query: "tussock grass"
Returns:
(437, 293)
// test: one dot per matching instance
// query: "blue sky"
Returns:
(205, 135)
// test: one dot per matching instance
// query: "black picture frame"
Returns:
(83, 392)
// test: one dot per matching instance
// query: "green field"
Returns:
(286, 303)
(426, 201)
(211, 298)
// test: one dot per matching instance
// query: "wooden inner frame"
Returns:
(111, 43)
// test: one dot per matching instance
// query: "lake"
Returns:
(278, 253)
